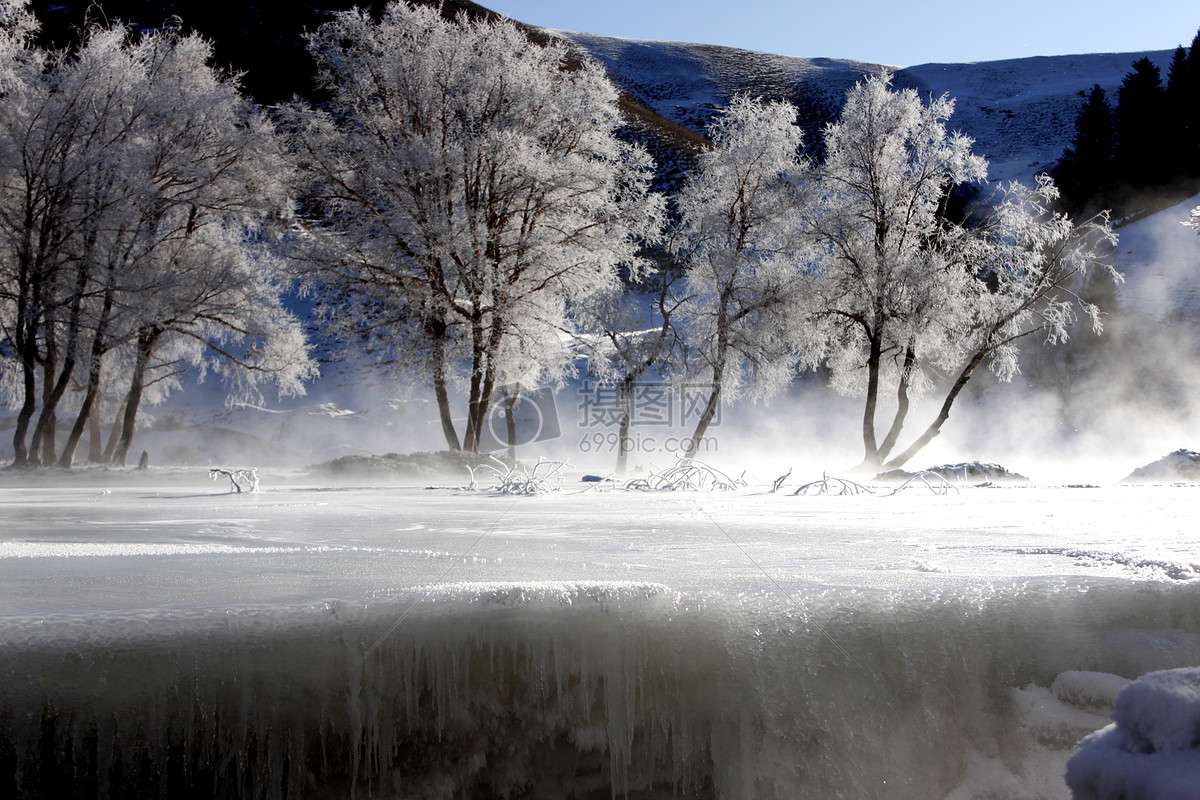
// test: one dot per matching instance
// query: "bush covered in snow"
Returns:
(1179, 466)
(967, 472)
(1152, 750)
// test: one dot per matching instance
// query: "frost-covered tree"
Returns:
(17, 26)
(884, 287)
(464, 184)
(628, 332)
(739, 237)
(135, 182)
(907, 297)
(210, 185)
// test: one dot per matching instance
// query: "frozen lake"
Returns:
(403, 641)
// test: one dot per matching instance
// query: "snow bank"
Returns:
(1152, 750)
(439, 465)
(1179, 466)
(965, 472)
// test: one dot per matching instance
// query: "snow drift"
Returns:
(1182, 466)
(1152, 750)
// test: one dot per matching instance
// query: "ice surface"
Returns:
(1152, 750)
(403, 642)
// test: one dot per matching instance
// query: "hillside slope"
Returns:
(1021, 112)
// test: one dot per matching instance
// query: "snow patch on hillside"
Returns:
(687, 83)
(1020, 112)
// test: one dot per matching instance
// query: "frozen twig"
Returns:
(542, 478)
(779, 481)
(832, 486)
(933, 481)
(686, 475)
(241, 480)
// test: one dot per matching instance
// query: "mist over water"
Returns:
(1091, 409)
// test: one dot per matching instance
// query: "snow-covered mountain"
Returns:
(1021, 112)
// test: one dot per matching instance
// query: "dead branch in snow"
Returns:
(686, 475)
(518, 479)
(241, 480)
(933, 481)
(833, 486)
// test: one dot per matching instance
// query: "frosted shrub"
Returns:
(686, 475)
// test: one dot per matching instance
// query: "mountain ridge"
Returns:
(1020, 112)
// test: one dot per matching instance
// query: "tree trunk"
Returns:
(95, 436)
(81, 421)
(935, 427)
(145, 346)
(889, 441)
(870, 445)
(511, 398)
(86, 409)
(45, 419)
(42, 444)
(718, 376)
(443, 396)
(474, 398)
(483, 380)
(483, 406)
(29, 315)
(26, 341)
(46, 432)
(625, 399)
(29, 375)
(706, 417)
(114, 435)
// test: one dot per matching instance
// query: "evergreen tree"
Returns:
(1086, 168)
(1141, 106)
(1179, 90)
(1187, 102)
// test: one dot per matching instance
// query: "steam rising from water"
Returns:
(1090, 410)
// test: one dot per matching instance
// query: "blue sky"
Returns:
(882, 31)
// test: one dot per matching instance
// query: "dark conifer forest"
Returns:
(1130, 151)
